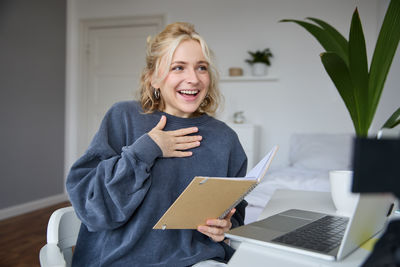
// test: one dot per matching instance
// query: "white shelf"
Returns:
(248, 79)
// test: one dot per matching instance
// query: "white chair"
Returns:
(62, 233)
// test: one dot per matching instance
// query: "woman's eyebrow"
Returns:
(179, 62)
(184, 62)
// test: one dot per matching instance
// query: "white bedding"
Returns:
(286, 178)
(311, 158)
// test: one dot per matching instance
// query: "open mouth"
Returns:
(189, 92)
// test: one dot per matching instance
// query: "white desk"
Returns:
(257, 256)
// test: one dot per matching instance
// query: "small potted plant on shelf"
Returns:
(259, 61)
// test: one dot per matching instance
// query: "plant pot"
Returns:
(259, 69)
(376, 166)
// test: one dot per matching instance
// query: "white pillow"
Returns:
(321, 151)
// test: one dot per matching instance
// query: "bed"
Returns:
(311, 157)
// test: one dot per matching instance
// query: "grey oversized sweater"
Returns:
(122, 185)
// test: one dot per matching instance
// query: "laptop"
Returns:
(319, 235)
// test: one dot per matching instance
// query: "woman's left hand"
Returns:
(215, 228)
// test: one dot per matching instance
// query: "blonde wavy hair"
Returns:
(160, 49)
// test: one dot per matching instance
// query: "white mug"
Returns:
(344, 200)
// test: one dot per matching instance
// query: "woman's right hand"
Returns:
(174, 143)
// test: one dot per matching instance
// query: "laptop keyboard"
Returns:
(322, 235)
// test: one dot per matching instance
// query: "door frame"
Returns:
(77, 71)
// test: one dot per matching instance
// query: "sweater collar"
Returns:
(171, 119)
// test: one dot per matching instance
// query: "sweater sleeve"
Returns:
(110, 180)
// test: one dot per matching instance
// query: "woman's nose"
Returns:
(192, 77)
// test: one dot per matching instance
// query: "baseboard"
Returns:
(31, 206)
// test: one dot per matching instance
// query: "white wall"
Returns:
(302, 100)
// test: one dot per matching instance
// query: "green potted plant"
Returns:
(259, 61)
(347, 65)
(360, 86)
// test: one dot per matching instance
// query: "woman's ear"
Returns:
(155, 83)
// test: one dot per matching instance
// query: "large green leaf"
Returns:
(359, 69)
(340, 75)
(393, 121)
(339, 38)
(385, 50)
(324, 37)
(347, 64)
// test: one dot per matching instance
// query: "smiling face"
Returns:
(187, 82)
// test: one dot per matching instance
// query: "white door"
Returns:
(115, 57)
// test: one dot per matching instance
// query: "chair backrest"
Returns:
(63, 228)
(62, 234)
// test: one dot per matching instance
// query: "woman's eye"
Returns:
(203, 68)
(177, 68)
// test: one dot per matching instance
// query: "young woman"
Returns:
(144, 155)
